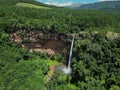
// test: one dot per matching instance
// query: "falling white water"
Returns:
(68, 69)
(70, 56)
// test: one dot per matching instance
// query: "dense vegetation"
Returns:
(19, 69)
(54, 20)
(96, 55)
(96, 63)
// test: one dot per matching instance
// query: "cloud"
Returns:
(107, 0)
(60, 4)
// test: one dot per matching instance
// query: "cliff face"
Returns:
(52, 43)
(39, 41)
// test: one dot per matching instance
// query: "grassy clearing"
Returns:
(51, 63)
(32, 6)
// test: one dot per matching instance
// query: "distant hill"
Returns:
(105, 5)
(74, 6)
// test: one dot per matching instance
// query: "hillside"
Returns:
(27, 3)
(105, 5)
(35, 45)
(32, 6)
(74, 6)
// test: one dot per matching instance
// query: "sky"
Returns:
(69, 2)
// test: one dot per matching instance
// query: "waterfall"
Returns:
(70, 55)
(68, 69)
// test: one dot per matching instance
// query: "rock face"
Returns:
(38, 41)
(52, 43)
(112, 35)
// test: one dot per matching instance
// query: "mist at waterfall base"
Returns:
(68, 69)
(65, 70)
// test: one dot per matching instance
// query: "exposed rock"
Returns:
(93, 34)
(16, 38)
(112, 35)
(38, 41)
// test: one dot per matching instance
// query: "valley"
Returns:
(45, 47)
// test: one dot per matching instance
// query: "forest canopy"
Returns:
(96, 52)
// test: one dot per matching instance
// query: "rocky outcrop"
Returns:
(112, 35)
(39, 41)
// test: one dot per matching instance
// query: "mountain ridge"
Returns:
(104, 5)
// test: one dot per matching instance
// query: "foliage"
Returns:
(20, 69)
(54, 20)
(96, 63)
(96, 57)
